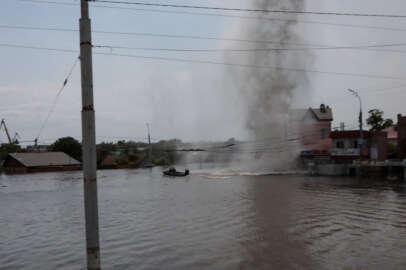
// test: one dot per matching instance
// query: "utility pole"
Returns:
(355, 93)
(150, 146)
(89, 142)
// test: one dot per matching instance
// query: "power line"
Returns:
(304, 46)
(56, 98)
(255, 10)
(158, 35)
(255, 66)
(37, 48)
(168, 59)
(226, 15)
(258, 49)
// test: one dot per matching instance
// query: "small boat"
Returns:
(173, 172)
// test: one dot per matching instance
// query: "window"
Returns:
(340, 144)
(323, 133)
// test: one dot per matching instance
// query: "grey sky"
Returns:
(186, 100)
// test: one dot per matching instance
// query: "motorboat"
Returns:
(173, 172)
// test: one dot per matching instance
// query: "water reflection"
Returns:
(267, 242)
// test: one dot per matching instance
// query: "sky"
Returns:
(191, 101)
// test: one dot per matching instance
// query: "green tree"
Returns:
(376, 120)
(69, 146)
(5, 149)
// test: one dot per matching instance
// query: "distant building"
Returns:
(401, 132)
(392, 132)
(312, 127)
(39, 162)
(113, 161)
(38, 148)
(346, 146)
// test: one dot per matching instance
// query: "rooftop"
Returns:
(44, 159)
(323, 113)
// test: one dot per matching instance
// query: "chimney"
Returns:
(322, 108)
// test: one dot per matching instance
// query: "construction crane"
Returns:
(13, 140)
(3, 124)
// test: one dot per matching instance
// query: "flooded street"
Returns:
(202, 221)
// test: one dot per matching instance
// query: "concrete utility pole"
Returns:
(355, 93)
(150, 146)
(89, 142)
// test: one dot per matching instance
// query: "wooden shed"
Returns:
(40, 162)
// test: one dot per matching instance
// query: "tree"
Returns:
(5, 149)
(69, 146)
(376, 120)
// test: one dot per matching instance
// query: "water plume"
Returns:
(269, 93)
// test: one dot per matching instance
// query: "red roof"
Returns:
(353, 134)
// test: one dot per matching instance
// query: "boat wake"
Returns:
(230, 174)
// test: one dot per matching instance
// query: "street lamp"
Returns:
(355, 93)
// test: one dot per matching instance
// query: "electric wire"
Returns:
(297, 70)
(360, 26)
(65, 82)
(180, 60)
(37, 48)
(256, 49)
(302, 46)
(160, 35)
(299, 12)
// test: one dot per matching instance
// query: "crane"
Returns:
(16, 137)
(13, 140)
(3, 123)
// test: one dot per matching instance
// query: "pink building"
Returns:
(392, 132)
(313, 127)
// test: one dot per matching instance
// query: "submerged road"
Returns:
(208, 220)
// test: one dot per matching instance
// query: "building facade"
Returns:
(346, 146)
(401, 132)
(312, 127)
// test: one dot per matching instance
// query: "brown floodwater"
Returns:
(208, 220)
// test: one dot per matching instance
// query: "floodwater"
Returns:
(204, 221)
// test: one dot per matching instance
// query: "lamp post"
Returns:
(361, 143)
